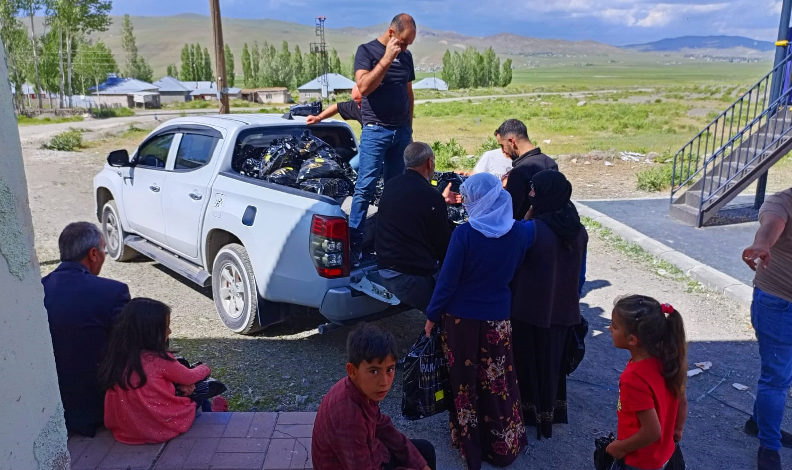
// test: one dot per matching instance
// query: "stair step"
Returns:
(684, 213)
(187, 269)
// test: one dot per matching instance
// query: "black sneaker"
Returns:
(752, 429)
(767, 459)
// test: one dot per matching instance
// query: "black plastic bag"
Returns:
(284, 152)
(576, 345)
(204, 389)
(286, 176)
(602, 459)
(457, 214)
(677, 462)
(309, 109)
(320, 167)
(426, 388)
(331, 187)
(310, 144)
(440, 181)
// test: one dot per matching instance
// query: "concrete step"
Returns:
(684, 213)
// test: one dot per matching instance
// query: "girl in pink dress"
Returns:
(141, 376)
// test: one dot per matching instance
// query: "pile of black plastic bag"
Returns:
(307, 163)
(456, 213)
(310, 164)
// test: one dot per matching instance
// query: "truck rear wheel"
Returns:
(114, 234)
(234, 290)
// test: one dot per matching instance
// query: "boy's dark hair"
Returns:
(140, 327)
(661, 335)
(368, 342)
(513, 127)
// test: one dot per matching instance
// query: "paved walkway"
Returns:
(719, 246)
(218, 441)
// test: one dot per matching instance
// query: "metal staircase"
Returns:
(734, 150)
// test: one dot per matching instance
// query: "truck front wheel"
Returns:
(114, 234)
(234, 289)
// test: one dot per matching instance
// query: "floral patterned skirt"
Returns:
(486, 416)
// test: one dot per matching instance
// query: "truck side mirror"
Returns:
(118, 158)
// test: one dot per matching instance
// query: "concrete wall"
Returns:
(168, 97)
(124, 101)
(274, 97)
(32, 429)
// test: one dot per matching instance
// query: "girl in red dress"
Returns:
(652, 405)
(140, 377)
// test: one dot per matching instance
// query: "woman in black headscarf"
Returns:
(545, 301)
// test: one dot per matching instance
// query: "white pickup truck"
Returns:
(261, 246)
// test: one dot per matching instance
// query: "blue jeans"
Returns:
(771, 317)
(381, 153)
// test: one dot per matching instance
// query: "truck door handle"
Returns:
(195, 196)
(154, 188)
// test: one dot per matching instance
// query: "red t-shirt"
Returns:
(642, 387)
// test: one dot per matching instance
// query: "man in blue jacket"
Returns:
(81, 307)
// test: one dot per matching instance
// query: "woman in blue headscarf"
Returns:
(472, 301)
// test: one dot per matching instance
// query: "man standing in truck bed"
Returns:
(384, 73)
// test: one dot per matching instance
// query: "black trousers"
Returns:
(427, 452)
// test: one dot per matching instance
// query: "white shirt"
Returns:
(494, 162)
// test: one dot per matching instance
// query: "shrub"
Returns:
(656, 178)
(66, 141)
(490, 143)
(104, 113)
(446, 151)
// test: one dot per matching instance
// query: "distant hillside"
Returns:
(160, 39)
(707, 45)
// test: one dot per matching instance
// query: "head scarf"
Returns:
(552, 205)
(488, 205)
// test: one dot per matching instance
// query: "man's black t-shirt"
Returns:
(389, 104)
(349, 110)
(521, 176)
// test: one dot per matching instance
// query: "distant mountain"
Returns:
(160, 40)
(712, 45)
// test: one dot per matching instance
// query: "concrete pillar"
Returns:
(32, 429)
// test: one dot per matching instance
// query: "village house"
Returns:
(267, 95)
(336, 83)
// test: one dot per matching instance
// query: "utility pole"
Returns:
(775, 92)
(222, 83)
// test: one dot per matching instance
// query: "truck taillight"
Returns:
(330, 246)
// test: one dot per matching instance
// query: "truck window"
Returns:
(257, 139)
(195, 151)
(154, 153)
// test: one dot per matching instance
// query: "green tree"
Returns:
(462, 71)
(284, 66)
(198, 62)
(506, 73)
(298, 68)
(448, 74)
(185, 73)
(30, 8)
(93, 62)
(312, 65)
(207, 67)
(17, 48)
(247, 69)
(172, 71)
(334, 62)
(348, 68)
(491, 67)
(136, 66)
(229, 63)
(76, 18)
(255, 63)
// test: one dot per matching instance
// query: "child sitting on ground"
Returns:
(350, 431)
(652, 405)
(138, 373)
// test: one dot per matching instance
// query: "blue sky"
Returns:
(616, 22)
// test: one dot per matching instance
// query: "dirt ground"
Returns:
(291, 366)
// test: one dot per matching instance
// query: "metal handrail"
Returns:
(680, 177)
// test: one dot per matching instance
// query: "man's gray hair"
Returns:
(416, 154)
(77, 239)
